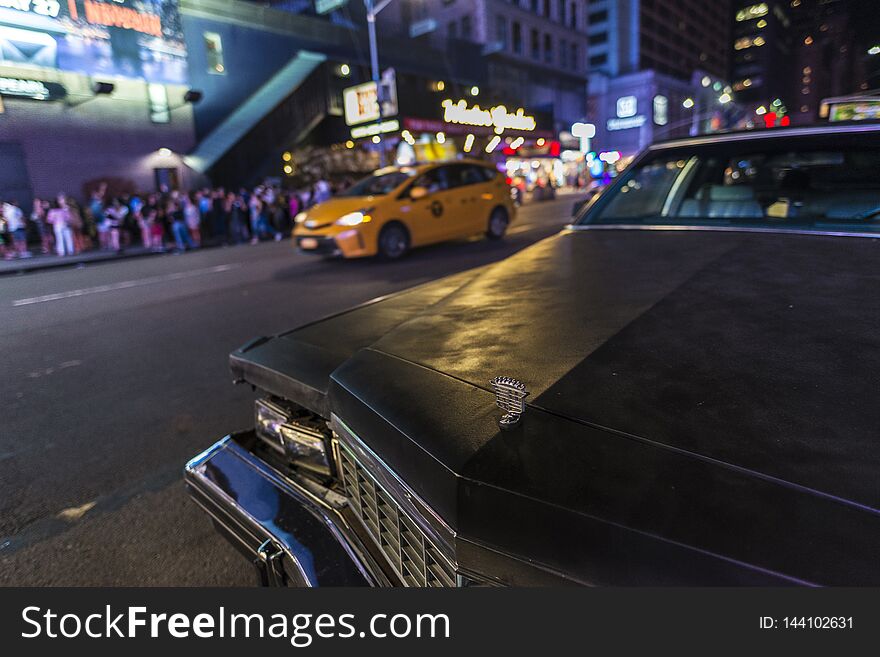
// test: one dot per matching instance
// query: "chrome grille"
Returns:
(411, 554)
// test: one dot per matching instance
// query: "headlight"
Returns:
(300, 217)
(298, 439)
(355, 218)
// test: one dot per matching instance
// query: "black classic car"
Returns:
(680, 388)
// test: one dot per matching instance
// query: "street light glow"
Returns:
(724, 98)
(874, 50)
(475, 91)
(493, 144)
(468, 143)
(688, 103)
(441, 138)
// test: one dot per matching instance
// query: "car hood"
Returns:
(701, 403)
(713, 389)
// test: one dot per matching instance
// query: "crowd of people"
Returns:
(157, 221)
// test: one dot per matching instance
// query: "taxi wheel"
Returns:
(393, 241)
(497, 224)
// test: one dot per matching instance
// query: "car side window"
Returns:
(435, 180)
(472, 175)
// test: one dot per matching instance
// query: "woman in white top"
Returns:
(59, 218)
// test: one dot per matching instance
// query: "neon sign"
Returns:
(498, 117)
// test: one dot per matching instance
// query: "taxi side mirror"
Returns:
(418, 192)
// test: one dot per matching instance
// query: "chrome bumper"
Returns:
(295, 533)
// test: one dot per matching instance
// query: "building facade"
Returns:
(91, 91)
(657, 70)
(535, 50)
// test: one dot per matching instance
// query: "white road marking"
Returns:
(74, 513)
(522, 228)
(123, 285)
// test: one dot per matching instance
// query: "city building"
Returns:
(534, 50)
(656, 70)
(92, 91)
(179, 94)
(824, 55)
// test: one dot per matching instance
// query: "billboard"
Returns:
(108, 38)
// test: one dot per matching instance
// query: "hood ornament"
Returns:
(510, 396)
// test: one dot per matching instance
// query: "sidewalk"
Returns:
(51, 261)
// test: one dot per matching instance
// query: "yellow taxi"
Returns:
(398, 208)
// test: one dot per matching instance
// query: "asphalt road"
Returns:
(115, 374)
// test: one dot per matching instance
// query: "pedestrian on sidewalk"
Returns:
(193, 219)
(178, 227)
(16, 227)
(59, 218)
(38, 217)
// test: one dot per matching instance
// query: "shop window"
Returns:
(157, 98)
(214, 53)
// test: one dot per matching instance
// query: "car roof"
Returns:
(772, 133)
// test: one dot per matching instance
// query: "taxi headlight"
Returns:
(355, 218)
(300, 441)
(300, 217)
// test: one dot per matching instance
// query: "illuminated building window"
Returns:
(808, 41)
(747, 42)
(752, 11)
(214, 53)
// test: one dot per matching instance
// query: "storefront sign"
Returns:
(627, 106)
(32, 89)
(128, 38)
(855, 111)
(49, 8)
(661, 110)
(498, 118)
(361, 102)
(371, 129)
(625, 124)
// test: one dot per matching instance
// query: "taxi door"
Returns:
(428, 217)
(474, 198)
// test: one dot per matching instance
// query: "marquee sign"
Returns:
(140, 39)
(498, 118)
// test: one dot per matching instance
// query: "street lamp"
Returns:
(373, 9)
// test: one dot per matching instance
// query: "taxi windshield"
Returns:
(379, 184)
(823, 188)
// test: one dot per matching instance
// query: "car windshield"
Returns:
(823, 187)
(379, 184)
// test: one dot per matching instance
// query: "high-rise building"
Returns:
(672, 38)
(824, 55)
(761, 47)
(656, 70)
(536, 50)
